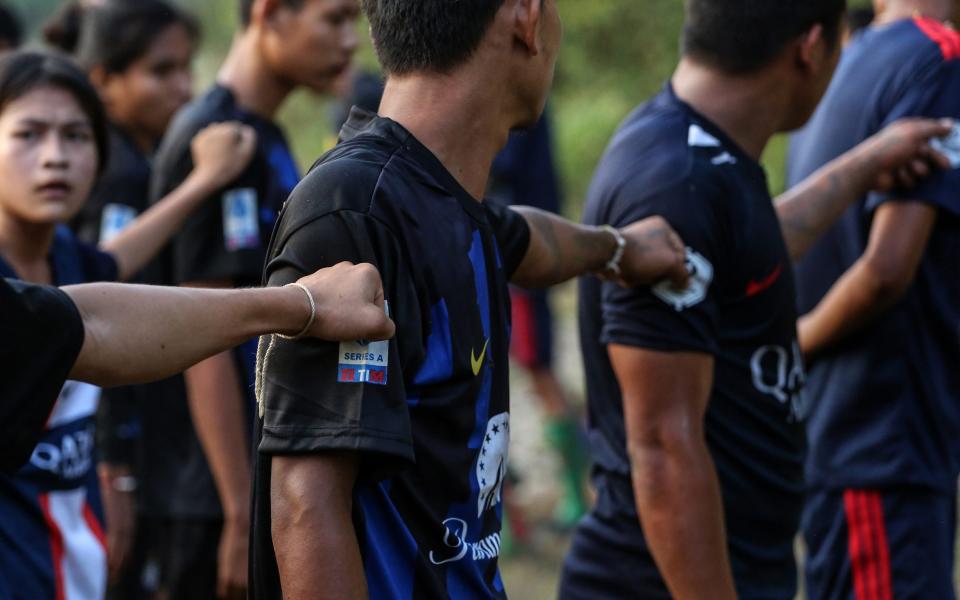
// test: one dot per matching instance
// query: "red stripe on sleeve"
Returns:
(943, 36)
(56, 546)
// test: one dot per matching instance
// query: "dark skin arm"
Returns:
(898, 156)
(898, 239)
(675, 484)
(561, 250)
(311, 509)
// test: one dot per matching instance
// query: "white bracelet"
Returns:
(313, 313)
(126, 484)
(613, 265)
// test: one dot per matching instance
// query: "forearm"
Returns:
(137, 244)
(854, 301)
(311, 506)
(560, 249)
(681, 511)
(217, 406)
(807, 210)
(136, 333)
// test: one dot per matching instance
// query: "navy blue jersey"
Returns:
(667, 159)
(888, 397)
(428, 411)
(51, 534)
(224, 240)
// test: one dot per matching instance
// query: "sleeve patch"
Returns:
(241, 225)
(701, 276)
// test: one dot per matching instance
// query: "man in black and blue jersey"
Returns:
(696, 416)
(880, 295)
(380, 466)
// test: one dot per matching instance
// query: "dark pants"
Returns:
(895, 543)
(171, 559)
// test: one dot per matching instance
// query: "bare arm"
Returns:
(221, 152)
(560, 250)
(311, 514)
(675, 484)
(896, 156)
(138, 333)
(898, 239)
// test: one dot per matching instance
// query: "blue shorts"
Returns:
(531, 340)
(894, 543)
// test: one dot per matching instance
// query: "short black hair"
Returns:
(743, 36)
(427, 35)
(115, 35)
(23, 71)
(859, 18)
(11, 30)
(246, 6)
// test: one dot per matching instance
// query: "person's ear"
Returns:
(265, 13)
(812, 50)
(105, 83)
(528, 14)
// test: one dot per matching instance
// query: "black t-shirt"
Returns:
(667, 159)
(42, 333)
(122, 193)
(225, 239)
(886, 400)
(428, 411)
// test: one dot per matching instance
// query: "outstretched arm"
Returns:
(137, 333)
(675, 484)
(560, 250)
(898, 240)
(895, 157)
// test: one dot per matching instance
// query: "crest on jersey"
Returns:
(492, 463)
(701, 276)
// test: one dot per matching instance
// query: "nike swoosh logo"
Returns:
(756, 287)
(475, 362)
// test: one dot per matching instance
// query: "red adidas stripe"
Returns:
(94, 525)
(945, 37)
(56, 546)
(867, 546)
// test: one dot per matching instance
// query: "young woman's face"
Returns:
(48, 156)
(144, 97)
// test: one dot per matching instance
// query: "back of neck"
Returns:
(460, 122)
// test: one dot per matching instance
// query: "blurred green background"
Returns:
(616, 54)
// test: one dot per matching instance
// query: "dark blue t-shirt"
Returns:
(51, 529)
(667, 159)
(887, 399)
(428, 411)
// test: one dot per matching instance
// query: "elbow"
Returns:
(886, 283)
(660, 455)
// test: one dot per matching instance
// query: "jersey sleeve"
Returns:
(933, 95)
(43, 333)
(317, 395)
(222, 239)
(512, 234)
(660, 317)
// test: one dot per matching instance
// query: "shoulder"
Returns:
(343, 180)
(661, 161)
(940, 42)
(213, 106)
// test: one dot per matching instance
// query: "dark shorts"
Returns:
(531, 342)
(172, 559)
(609, 558)
(895, 543)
